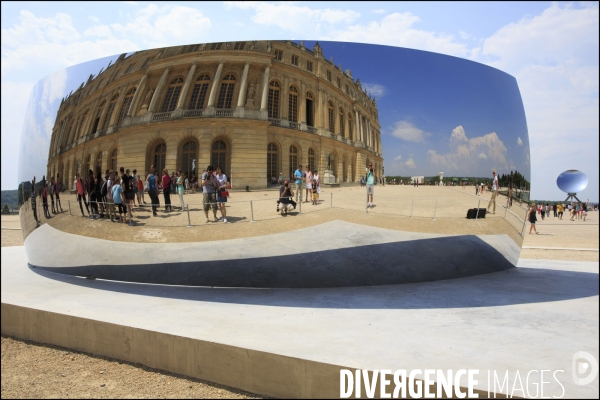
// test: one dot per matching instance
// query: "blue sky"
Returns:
(550, 48)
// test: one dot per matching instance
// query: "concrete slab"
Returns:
(339, 254)
(292, 342)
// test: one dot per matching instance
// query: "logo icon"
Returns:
(584, 368)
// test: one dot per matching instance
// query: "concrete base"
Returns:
(293, 342)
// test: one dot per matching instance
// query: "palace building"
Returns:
(258, 109)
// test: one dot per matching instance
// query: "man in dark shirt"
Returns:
(128, 190)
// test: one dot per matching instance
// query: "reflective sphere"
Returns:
(96, 134)
(572, 181)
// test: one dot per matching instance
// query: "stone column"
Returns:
(302, 106)
(356, 126)
(158, 90)
(362, 130)
(265, 90)
(184, 90)
(137, 95)
(243, 87)
(285, 99)
(368, 124)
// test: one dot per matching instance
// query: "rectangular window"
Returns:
(309, 66)
(278, 55)
(215, 46)
(148, 60)
(225, 95)
(339, 83)
(346, 88)
(329, 75)
(239, 45)
(295, 60)
(194, 47)
(198, 96)
(273, 105)
(293, 108)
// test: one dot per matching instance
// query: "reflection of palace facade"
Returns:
(256, 108)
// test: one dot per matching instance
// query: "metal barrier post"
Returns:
(69, 201)
(505, 210)
(251, 212)
(435, 210)
(477, 212)
(331, 200)
(187, 206)
(412, 203)
(300, 203)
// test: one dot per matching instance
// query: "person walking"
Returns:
(166, 185)
(532, 218)
(370, 182)
(127, 183)
(543, 211)
(308, 181)
(81, 194)
(109, 196)
(117, 194)
(222, 192)
(57, 194)
(51, 193)
(209, 189)
(494, 193)
(561, 210)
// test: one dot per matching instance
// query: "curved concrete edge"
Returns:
(344, 255)
(246, 369)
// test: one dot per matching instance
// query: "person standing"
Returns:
(166, 185)
(298, 177)
(180, 188)
(117, 194)
(494, 192)
(57, 194)
(309, 186)
(555, 210)
(222, 192)
(561, 210)
(33, 202)
(51, 193)
(370, 182)
(109, 196)
(511, 181)
(81, 194)
(153, 190)
(209, 189)
(126, 183)
(543, 211)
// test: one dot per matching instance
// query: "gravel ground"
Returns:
(31, 370)
(42, 371)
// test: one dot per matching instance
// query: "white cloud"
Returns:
(374, 89)
(519, 141)
(305, 19)
(378, 11)
(53, 89)
(406, 131)
(465, 153)
(94, 19)
(410, 163)
(397, 30)
(399, 158)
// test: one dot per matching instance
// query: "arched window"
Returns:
(331, 117)
(109, 112)
(125, 106)
(312, 159)
(199, 93)
(293, 104)
(293, 159)
(159, 157)
(98, 115)
(226, 92)
(309, 109)
(99, 162)
(342, 131)
(81, 123)
(188, 158)
(273, 105)
(218, 155)
(272, 158)
(113, 160)
(172, 96)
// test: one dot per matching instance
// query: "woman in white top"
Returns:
(221, 180)
(318, 188)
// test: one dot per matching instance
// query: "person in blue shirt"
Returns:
(298, 176)
(370, 181)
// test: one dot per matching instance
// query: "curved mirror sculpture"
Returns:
(572, 181)
(346, 164)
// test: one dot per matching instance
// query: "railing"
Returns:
(223, 113)
(344, 140)
(294, 125)
(333, 135)
(161, 116)
(311, 129)
(193, 113)
(275, 121)
(252, 114)
(101, 132)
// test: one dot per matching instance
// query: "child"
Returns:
(315, 195)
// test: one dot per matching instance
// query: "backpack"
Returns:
(103, 190)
